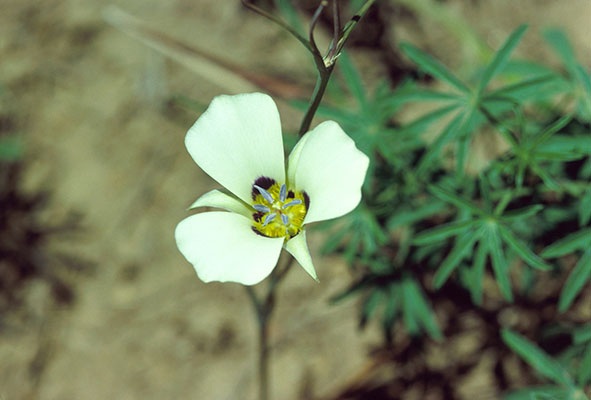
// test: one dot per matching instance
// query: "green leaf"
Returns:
(287, 9)
(522, 250)
(370, 305)
(514, 90)
(539, 393)
(462, 247)
(501, 57)
(423, 312)
(432, 66)
(414, 94)
(585, 208)
(449, 132)
(561, 45)
(454, 199)
(11, 148)
(464, 141)
(421, 123)
(536, 357)
(522, 213)
(578, 240)
(552, 129)
(477, 273)
(556, 156)
(442, 232)
(499, 264)
(352, 79)
(575, 281)
(408, 216)
(408, 312)
(582, 334)
(584, 375)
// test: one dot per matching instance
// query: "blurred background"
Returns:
(95, 300)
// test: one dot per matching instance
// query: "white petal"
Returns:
(237, 140)
(222, 247)
(219, 199)
(330, 169)
(298, 248)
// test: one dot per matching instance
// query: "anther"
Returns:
(284, 219)
(292, 203)
(282, 193)
(269, 218)
(261, 208)
(265, 194)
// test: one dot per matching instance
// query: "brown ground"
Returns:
(88, 100)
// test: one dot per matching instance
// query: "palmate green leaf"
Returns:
(580, 275)
(420, 308)
(522, 250)
(500, 58)
(442, 232)
(432, 66)
(456, 200)
(536, 357)
(462, 247)
(499, 263)
(578, 240)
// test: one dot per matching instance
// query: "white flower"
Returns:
(237, 141)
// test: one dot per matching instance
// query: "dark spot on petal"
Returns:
(264, 182)
(257, 216)
(306, 200)
(255, 230)
(290, 194)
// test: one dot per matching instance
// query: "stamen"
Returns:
(282, 193)
(284, 219)
(265, 194)
(292, 203)
(261, 208)
(269, 218)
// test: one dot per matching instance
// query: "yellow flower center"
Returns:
(279, 212)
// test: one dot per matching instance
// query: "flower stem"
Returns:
(263, 308)
(321, 83)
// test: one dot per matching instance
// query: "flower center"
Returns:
(278, 212)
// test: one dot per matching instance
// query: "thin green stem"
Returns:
(348, 28)
(321, 83)
(263, 307)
